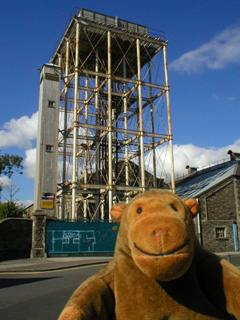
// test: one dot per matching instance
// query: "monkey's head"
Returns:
(157, 230)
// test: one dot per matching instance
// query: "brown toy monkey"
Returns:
(159, 271)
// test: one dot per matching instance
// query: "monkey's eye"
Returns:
(139, 210)
(173, 207)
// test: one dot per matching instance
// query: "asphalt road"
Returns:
(41, 295)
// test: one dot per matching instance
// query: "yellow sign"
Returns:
(47, 204)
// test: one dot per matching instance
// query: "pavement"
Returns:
(60, 263)
(48, 264)
(233, 257)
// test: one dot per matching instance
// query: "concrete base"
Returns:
(38, 253)
(38, 235)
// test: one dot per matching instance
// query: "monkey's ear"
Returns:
(117, 211)
(192, 205)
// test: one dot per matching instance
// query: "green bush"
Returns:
(11, 210)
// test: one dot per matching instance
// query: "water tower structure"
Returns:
(113, 116)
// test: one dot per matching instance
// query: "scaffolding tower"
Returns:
(114, 114)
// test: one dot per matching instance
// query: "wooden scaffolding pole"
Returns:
(75, 125)
(152, 127)
(110, 180)
(169, 119)
(140, 115)
(125, 127)
(85, 173)
(64, 130)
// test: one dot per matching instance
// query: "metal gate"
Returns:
(80, 237)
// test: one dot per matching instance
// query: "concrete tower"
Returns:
(47, 141)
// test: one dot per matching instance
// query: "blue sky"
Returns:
(204, 72)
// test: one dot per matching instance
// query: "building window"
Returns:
(51, 104)
(49, 148)
(220, 232)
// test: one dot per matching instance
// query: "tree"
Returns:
(11, 210)
(9, 163)
(11, 190)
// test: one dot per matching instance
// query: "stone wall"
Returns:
(237, 197)
(209, 240)
(218, 210)
(38, 235)
(221, 203)
(15, 238)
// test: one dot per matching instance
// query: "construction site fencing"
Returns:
(80, 237)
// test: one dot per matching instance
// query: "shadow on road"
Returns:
(5, 283)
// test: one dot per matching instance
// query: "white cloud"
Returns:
(222, 50)
(25, 203)
(188, 154)
(184, 155)
(5, 181)
(200, 157)
(29, 163)
(196, 157)
(19, 132)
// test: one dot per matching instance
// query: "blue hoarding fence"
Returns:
(65, 237)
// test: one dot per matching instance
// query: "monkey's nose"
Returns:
(160, 233)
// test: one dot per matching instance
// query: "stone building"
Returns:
(218, 191)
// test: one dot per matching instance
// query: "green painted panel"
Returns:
(80, 237)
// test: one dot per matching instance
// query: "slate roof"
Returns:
(199, 182)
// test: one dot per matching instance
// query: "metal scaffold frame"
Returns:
(113, 116)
